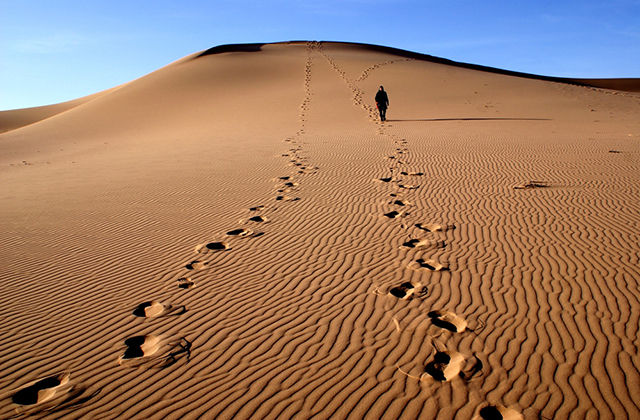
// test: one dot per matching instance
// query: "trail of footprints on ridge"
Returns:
(445, 364)
(150, 351)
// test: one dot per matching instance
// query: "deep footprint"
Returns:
(450, 321)
(498, 412)
(407, 291)
(286, 198)
(186, 283)
(154, 309)
(41, 391)
(423, 244)
(400, 203)
(212, 246)
(395, 214)
(445, 366)
(153, 351)
(430, 265)
(434, 227)
(385, 179)
(196, 265)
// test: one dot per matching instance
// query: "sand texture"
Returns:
(237, 235)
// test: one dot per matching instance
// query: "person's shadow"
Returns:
(471, 119)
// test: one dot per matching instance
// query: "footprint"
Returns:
(154, 309)
(498, 412)
(240, 232)
(212, 246)
(196, 265)
(288, 187)
(186, 283)
(531, 185)
(244, 233)
(431, 265)
(391, 179)
(52, 394)
(407, 291)
(408, 187)
(258, 219)
(434, 227)
(42, 390)
(412, 173)
(286, 198)
(450, 321)
(256, 208)
(445, 366)
(400, 203)
(153, 351)
(423, 243)
(395, 214)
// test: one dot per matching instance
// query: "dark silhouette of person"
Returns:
(382, 102)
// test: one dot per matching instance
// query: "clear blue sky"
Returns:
(56, 50)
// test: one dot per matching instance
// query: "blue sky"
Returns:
(56, 50)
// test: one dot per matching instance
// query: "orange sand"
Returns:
(236, 235)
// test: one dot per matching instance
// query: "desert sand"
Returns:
(237, 235)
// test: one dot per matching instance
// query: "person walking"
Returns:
(382, 102)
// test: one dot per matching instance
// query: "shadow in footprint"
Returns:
(395, 214)
(41, 391)
(196, 265)
(407, 291)
(434, 227)
(385, 179)
(399, 203)
(185, 283)
(451, 322)
(245, 233)
(153, 351)
(448, 321)
(212, 247)
(217, 246)
(154, 309)
(430, 265)
(531, 185)
(54, 393)
(499, 412)
(444, 367)
(286, 198)
(423, 244)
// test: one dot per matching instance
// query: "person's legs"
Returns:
(383, 114)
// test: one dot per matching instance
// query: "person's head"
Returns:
(381, 88)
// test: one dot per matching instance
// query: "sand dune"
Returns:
(237, 235)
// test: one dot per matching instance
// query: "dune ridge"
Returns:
(524, 301)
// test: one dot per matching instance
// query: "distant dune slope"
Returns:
(10, 120)
(13, 119)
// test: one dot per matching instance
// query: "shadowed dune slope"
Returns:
(238, 235)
